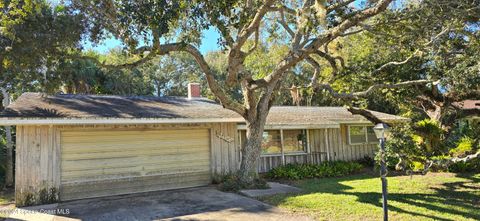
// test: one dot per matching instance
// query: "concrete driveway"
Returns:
(204, 203)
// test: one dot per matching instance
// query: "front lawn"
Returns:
(435, 196)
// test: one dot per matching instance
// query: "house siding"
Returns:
(324, 145)
(38, 156)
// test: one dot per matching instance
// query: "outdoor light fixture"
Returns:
(382, 131)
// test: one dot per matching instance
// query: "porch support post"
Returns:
(281, 142)
(327, 144)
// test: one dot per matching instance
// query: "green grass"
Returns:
(435, 196)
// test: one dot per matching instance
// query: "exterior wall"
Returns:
(38, 156)
(357, 151)
(37, 169)
(324, 144)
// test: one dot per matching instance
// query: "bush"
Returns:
(367, 161)
(417, 166)
(302, 171)
(444, 163)
(401, 148)
(429, 135)
(464, 146)
(231, 183)
(466, 167)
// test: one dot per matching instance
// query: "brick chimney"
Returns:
(193, 90)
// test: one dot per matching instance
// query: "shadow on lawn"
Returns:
(454, 194)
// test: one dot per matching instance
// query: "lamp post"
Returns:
(381, 132)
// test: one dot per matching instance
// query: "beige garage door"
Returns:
(104, 163)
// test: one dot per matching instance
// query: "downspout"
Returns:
(9, 147)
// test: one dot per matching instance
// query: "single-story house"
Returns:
(469, 112)
(82, 146)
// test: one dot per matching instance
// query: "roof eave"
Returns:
(295, 126)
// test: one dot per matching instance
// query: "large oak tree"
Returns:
(306, 28)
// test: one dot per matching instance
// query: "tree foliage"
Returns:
(33, 36)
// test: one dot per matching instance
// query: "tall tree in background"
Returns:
(32, 36)
(151, 28)
(430, 40)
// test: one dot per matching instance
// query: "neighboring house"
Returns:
(469, 111)
(81, 146)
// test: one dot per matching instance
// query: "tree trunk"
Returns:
(9, 147)
(251, 152)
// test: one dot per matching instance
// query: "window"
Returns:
(357, 134)
(294, 141)
(361, 135)
(271, 142)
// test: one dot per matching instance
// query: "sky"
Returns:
(209, 43)
(209, 40)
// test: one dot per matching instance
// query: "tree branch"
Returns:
(284, 24)
(296, 56)
(347, 24)
(236, 56)
(362, 94)
(415, 53)
(365, 113)
(316, 73)
(164, 49)
(338, 5)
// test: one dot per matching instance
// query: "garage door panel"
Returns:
(118, 173)
(92, 160)
(121, 153)
(141, 155)
(150, 147)
(85, 164)
(124, 171)
(136, 185)
(112, 136)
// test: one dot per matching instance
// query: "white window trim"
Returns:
(366, 136)
(282, 143)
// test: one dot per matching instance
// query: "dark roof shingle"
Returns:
(62, 106)
(36, 105)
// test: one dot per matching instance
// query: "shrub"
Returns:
(417, 166)
(429, 136)
(231, 183)
(367, 161)
(466, 167)
(401, 148)
(302, 171)
(464, 146)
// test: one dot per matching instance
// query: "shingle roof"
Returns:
(468, 104)
(36, 105)
(41, 106)
(311, 115)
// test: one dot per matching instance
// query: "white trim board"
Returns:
(295, 126)
(77, 121)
